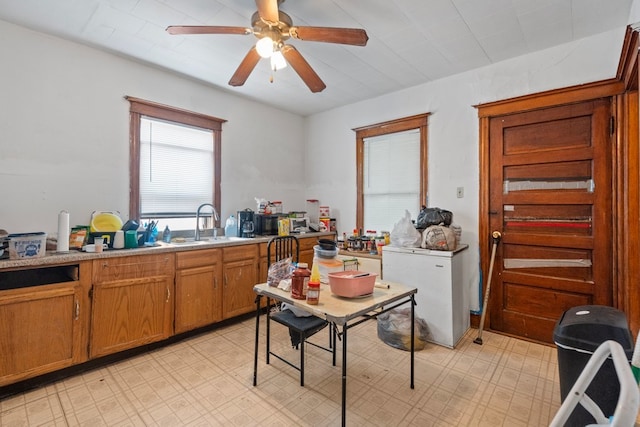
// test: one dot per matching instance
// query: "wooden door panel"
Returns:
(40, 330)
(198, 298)
(130, 312)
(553, 135)
(582, 287)
(531, 301)
(549, 194)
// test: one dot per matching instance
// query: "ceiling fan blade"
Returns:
(207, 29)
(268, 10)
(352, 36)
(302, 67)
(245, 68)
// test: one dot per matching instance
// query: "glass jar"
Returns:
(313, 293)
(300, 281)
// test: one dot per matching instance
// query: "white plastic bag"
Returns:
(404, 233)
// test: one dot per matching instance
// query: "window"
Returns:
(175, 163)
(391, 164)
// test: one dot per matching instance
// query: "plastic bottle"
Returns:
(230, 227)
(313, 289)
(300, 281)
(166, 235)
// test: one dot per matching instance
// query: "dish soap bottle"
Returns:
(166, 235)
(313, 289)
(230, 227)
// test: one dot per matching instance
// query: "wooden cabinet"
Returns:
(306, 249)
(263, 268)
(198, 299)
(240, 274)
(43, 313)
(132, 302)
(54, 316)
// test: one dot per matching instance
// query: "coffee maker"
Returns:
(245, 223)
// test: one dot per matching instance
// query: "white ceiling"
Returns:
(410, 41)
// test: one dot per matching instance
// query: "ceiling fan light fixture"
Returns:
(277, 61)
(265, 47)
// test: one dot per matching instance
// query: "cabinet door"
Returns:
(132, 302)
(240, 275)
(264, 264)
(306, 250)
(41, 331)
(198, 297)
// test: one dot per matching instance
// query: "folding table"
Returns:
(343, 314)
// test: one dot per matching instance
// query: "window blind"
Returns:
(176, 168)
(391, 178)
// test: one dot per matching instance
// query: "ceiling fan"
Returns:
(273, 27)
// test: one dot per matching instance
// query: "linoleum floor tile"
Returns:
(207, 380)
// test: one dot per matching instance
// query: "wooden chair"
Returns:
(300, 328)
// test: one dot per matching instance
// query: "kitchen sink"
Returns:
(229, 239)
(208, 240)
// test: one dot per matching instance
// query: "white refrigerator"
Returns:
(442, 300)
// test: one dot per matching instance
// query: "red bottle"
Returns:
(300, 281)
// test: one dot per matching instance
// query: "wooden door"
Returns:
(41, 330)
(198, 299)
(550, 197)
(132, 302)
(240, 271)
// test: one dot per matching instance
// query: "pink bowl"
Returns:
(352, 284)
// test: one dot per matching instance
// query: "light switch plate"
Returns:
(460, 192)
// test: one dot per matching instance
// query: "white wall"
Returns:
(64, 131)
(634, 14)
(453, 130)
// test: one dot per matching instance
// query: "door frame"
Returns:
(627, 181)
(557, 97)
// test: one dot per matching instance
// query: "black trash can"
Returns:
(577, 335)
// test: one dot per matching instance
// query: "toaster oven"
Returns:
(299, 225)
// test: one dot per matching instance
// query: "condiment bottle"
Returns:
(300, 281)
(313, 290)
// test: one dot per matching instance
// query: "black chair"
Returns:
(300, 328)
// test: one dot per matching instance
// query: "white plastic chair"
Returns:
(627, 407)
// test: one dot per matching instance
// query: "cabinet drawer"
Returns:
(237, 253)
(132, 267)
(307, 244)
(198, 258)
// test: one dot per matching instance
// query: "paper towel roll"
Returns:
(63, 232)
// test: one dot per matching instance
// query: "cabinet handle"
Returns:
(215, 283)
(168, 294)
(439, 265)
(77, 310)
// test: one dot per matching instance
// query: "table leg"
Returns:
(412, 337)
(268, 347)
(344, 375)
(255, 353)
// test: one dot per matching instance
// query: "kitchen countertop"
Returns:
(53, 258)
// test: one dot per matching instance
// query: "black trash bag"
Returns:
(433, 216)
(394, 329)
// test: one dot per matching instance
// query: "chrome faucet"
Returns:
(215, 218)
